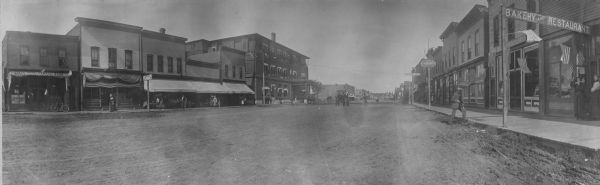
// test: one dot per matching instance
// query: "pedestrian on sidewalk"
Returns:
(578, 84)
(595, 98)
(457, 104)
(112, 103)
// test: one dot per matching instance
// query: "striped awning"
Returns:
(35, 73)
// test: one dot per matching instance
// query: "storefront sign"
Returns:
(546, 20)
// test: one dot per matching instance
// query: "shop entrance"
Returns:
(524, 79)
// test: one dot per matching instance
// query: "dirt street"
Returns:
(360, 144)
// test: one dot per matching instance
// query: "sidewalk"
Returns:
(556, 130)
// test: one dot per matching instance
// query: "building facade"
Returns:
(462, 61)
(41, 72)
(110, 63)
(553, 76)
(274, 71)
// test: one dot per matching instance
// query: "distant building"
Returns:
(271, 69)
(332, 90)
(41, 71)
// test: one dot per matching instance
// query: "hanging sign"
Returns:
(546, 20)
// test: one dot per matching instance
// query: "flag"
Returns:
(523, 65)
(566, 52)
(531, 36)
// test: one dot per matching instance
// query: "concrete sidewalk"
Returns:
(576, 134)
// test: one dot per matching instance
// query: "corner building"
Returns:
(542, 74)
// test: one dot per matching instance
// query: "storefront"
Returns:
(39, 91)
(572, 62)
(125, 88)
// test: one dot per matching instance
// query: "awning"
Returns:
(34, 73)
(159, 85)
(30, 73)
(238, 88)
(112, 80)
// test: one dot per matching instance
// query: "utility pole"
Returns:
(505, 66)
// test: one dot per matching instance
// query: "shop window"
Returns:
(170, 64)
(560, 74)
(160, 64)
(95, 55)
(128, 59)
(179, 65)
(24, 57)
(44, 56)
(62, 57)
(112, 58)
(149, 62)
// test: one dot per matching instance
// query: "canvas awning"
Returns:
(238, 88)
(112, 80)
(160, 85)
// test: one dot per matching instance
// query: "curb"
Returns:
(548, 145)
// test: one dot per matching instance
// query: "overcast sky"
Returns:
(370, 44)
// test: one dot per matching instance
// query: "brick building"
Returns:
(41, 71)
(272, 70)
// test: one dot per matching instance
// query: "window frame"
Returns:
(62, 60)
(149, 62)
(160, 63)
(170, 65)
(24, 56)
(128, 61)
(44, 61)
(96, 62)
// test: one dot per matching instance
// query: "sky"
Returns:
(370, 44)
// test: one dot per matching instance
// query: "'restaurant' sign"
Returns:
(547, 20)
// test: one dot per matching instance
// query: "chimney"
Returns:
(273, 37)
(162, 30)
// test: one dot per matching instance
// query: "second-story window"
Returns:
(170, 64)
(179, 66)
(469, 47)
(234, 71)
(160, 64)
(95, 54)
(62, 57)
(112, 58)
(462, 51)
(241, 73)
(24, 57)
(531, 7)
(476, 47)
(44, 56)
(149, 62)
(226, 72)
(128, 59)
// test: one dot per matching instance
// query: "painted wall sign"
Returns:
(546, 20)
